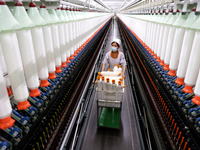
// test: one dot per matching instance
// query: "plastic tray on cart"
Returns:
(107, 103)
(110, 95)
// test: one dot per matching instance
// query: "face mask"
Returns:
(114, 49)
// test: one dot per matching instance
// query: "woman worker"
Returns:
(115, 57)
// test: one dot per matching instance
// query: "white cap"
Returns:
(118, 41)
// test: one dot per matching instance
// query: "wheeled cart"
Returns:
(109, 106)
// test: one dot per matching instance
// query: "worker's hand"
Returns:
(123, 76)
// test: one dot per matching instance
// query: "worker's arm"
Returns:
(123, 63)
(103, 67)
(123, 72)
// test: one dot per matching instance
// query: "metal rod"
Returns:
(74, 139)
(145, 118)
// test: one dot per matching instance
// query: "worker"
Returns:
(115, 57)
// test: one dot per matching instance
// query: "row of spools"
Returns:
(35, 47)
(172, 38)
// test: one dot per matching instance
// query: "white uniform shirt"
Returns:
(110, 61)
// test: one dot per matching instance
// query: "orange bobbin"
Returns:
(155, 56)
(9, 91)
(34, 92)
(52, 75)
(165, 108)
(188, 89)
(98, 78)
(182, 139)
(71, 57)
(177, 129)
(180, 81)
(166, 67)
(108, 80)
(167, 111)
(162, 63)
(58, 70)
(23, 105)
(196, 100)
(103, 78)
(185, 145)
(63, 65)
(44, 83)
(77, 51)
(170, 118)
(158, 60)
(179, 136)
(169, 115)
(74, 54)
(6, 122)
(174, 126)
(113, 81)
(172, 72)
(68, 61)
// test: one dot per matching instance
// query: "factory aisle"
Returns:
(112, 139)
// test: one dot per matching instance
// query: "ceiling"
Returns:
(116, 4)
(109, 5)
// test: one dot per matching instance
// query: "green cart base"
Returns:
(110, 118)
